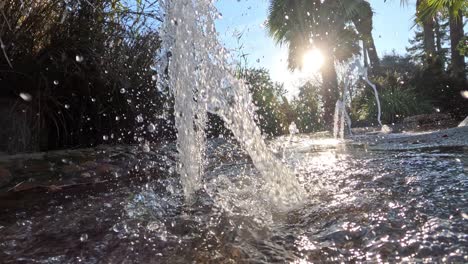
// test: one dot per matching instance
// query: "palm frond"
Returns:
(429, 8)
(302, 24)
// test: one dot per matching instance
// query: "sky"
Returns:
(241, 29)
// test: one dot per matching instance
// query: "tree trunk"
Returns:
(364, 54)
(456, 34)
(438, 36)
(330, 93)
(363, 24)
(429, 43)
(429, 36)
(372, 53)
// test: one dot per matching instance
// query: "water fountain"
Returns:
(202, 80)
(385, 199)
(293, 129)
(339, 119)
(363, 74)
(341, 116)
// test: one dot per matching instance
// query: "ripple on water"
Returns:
(363, 206)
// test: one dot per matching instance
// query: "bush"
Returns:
(267, 97)
(306, 107)
(406, 89)
(396, 104)
(84, 68)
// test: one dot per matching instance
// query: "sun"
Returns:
(312, 60)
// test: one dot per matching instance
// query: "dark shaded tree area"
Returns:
(444, 77)
(407, 87)
(397, 94)
(267, 96)
(275, 112)
(306, 107)
(334, 27)
(77, 73)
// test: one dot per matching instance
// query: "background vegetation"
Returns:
(79, 73)
(76, 73)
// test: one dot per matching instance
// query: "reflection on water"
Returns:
(362, 206)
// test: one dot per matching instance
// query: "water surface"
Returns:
(363, 206)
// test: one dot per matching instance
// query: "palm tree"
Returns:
(363, 21)
(428, 34)
(427, 9)
(325, 25)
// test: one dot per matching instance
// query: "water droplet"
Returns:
(151, 127)
(56, 82)
(139, 118)
(25, 96)
(154, 77)
(286, 17)
(117, 118)
(93, 99)
(84, 237)
(67, 106)
(146, 147)
(122, 91)
(464, 94)
(105, 137)
(79, 58)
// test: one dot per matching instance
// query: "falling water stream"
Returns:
(341, 116)
(202, 80)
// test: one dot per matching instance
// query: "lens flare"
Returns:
(312, 60)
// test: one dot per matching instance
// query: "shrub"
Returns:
(396, 104)
(85, 69)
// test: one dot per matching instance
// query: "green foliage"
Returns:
(306, 108)
(406, 89)
(274, 111)
(85, 65)
(396, 104)
(433, 83)
(324, 24)
(333, 27)
(429, 8)
(463, 46)
(267, 96)
(417, 48)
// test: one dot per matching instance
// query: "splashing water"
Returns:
(338, 119)
(363, 73)
(341, 115)
(293, 128)
(202, 80)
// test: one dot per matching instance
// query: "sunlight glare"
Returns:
(312, 60)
